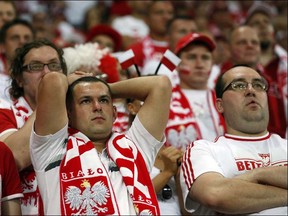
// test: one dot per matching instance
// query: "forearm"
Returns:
(138, 88)
(18, 142)
(274, 176)
(241, 197)
(255, 198)
(51, 113)
(155, 91)
(161, 180)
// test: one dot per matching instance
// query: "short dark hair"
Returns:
(17, 64)
(220, 85)
(8, 25)
(69, 95)
(178, 17)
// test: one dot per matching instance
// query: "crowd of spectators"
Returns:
(57, 19)
(217, 35)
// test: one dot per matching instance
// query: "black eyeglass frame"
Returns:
(231, 85)
(28, 67)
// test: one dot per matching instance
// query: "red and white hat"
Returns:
(193, 37)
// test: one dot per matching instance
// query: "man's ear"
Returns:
(131, 108)
(219, 105)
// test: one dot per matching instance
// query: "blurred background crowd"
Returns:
(94, 34)
(68, 22)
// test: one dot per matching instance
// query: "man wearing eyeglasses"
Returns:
(31, 63)
(245, 170)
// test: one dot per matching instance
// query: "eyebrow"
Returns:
(243, 79)
(50, 60)
(105, 96)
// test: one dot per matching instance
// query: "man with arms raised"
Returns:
(85, 168)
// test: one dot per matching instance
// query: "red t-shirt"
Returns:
(9, 176)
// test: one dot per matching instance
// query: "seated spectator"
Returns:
(245, 170)
(107, 161)
(193, 114)
(31, 62)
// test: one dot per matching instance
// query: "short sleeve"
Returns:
(11, 187)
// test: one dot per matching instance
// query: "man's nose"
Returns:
(250, 89)
(199, 62)
(46, 69)
(97, 106)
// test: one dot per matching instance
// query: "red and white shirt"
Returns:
(10, 187)
(13, 117)
(230, 156)
(192, 116)
(47, 153)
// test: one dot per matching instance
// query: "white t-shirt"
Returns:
(206, 117)
(5, 84)
(230, 156)
(48, 151)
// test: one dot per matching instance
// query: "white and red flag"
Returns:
(126, 59)
(170, 60)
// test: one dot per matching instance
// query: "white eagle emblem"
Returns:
(90, 200)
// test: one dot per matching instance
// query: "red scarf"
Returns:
(90, 191)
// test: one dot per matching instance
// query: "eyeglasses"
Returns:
(36, 67)
(241, 85)
(166, 192)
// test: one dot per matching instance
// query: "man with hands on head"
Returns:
(245, 170)
(91, 169)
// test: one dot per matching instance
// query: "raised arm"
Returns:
(155, 91)
(234, 195)
(51, 113)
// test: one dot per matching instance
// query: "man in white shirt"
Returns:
(245, 170)
(86, 168)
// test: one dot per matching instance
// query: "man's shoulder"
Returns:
(5, 104)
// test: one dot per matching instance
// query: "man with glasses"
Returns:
(245, 170)
(31, 63)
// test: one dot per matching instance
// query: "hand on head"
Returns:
(76, 75)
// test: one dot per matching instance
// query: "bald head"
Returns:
(245, 46)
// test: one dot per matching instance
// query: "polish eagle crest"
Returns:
(89, 201)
